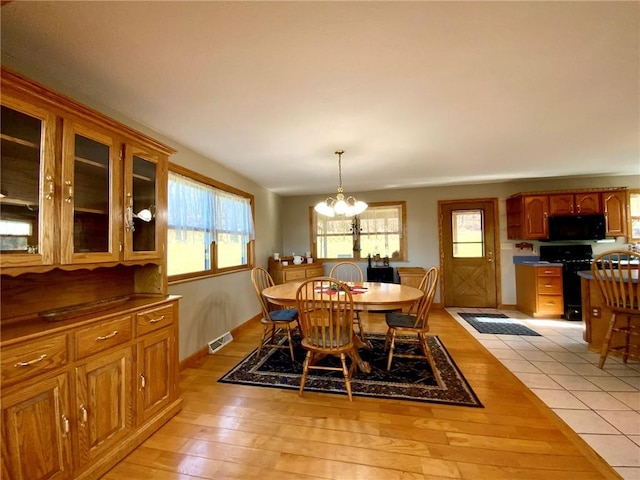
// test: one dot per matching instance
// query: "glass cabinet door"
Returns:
(27, 185)
(142, 193)
(89, 200)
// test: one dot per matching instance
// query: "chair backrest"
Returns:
(261, 279)
(325, 309)
(347, 272)
(616, 273)
(428, 286)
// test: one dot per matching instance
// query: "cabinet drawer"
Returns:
(315, 272)
(101, 336)
(549, 271)
(294, 275)
(549, 285)
(153, 319)
(26, 360)
(550, 304)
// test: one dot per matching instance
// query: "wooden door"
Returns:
(156, 381)
(35, 431)
(469, 253)
(536, 212)
(614, 204)
(104, 402)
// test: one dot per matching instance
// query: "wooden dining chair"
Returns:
(350, 272)
(273, 316)
(413, 323)
(616, 273)
(325, 308)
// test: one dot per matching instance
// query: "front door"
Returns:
(469, 253)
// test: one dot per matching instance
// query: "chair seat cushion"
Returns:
(284, 315)
(398, 319)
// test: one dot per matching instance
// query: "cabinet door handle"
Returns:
(143, 381)
(31, 362)
(65, 426)
(107, 337)
(50, 187)
(156, 320)
(69, 191)
(84, 416)
(548, 285)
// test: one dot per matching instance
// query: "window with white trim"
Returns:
(378, 230)
(210, 229)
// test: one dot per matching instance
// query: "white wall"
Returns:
(422, 221)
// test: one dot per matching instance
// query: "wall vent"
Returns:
(221, 341)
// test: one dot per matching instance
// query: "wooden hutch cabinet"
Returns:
(527, 213)
(294, 273)
(89, 345)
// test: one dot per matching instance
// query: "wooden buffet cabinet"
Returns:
(539, 290)
(89, 346)
(294, 273)
(527, 213)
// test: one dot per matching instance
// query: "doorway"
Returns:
(469, 253)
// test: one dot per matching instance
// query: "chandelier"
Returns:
(340, 205)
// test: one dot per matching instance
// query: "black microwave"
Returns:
(577, 227)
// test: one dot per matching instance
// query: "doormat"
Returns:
(408, 379)
(497, 323)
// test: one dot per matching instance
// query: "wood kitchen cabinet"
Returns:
(88, 351)
(527, 213)
(583, 203)
(539, 290)
(614, 206)
(527, 217)
(97, 387)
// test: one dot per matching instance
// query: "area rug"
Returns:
(408, 379)
(496, 323)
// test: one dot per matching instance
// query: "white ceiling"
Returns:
(416, 93)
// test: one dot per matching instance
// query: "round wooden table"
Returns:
(376, 296)
(372, 296)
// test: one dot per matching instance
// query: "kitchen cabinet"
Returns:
(36, 440)
(527, 217)
(539, 290)
(294, 273)
(527, 213)
(614, 205)
(88, 392)
(73, 183)
(88, 352)
(583, 203)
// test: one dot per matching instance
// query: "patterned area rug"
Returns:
(408, 379)
(496, 323)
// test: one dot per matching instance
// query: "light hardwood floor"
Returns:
(240, 432)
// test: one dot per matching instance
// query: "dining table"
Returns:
(367, 296)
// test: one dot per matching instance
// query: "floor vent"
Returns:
(218, 343)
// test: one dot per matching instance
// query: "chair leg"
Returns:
(347, 377)
(607, 341)
(305, 371)
(392, 346)
(426, 350)
(265, 332)
(290, 341)
(627, 339)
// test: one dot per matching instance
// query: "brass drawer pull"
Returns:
(143, 381)
(107, 337)
(84, 415)
(156, 320)
(65, 426)
(31, 362)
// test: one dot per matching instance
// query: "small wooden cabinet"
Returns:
(527, 217)
(574, 204)
(411, 276)
(614, 207)
(294, 273)
(539, 290)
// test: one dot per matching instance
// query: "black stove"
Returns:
(573, 258)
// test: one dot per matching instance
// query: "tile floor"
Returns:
(602, 406)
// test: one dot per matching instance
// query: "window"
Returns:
(210, 227)
(467, 227)
(634, 215)
(378, 230)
